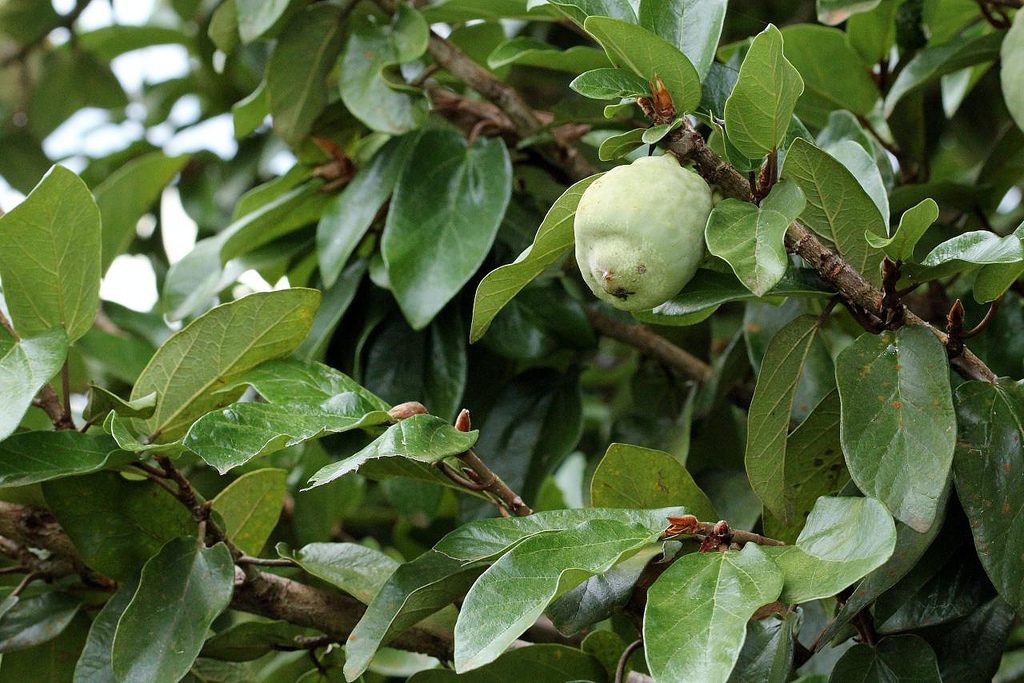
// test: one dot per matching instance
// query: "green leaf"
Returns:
(770, 408)
(250, 507)
(223, 28)
(648, 56)
(36, 620)
(337, 299)
(837, 208)
(834, 12)
(423, 438)
(767, 653)
(116, 524)
(372, 45)
(993, 280)
(359, 571)
(844, 539)
(248, 113)
(103, 402)
(898, 423)
(554, 238)
(489, 539)
(183, 588)
(448, 204)
(513, 592)
(873, 34)
(257, 17)
(693, 26)
(834, 74)
(351, 214)
(610, 84)
(25, 366)
(545, 662)
(415, 590)
(978, 247)
(94, 663)
(709, 289)
(697, 611)
(621, 144)
(50, 257)
(33, 457)
(752, 239)
(303, 56)
(937, 60)
(304, 401)
(71, 79)
(636, 477)
(467, 10)
(214, 349)
(759, 110)
(251, 640)
(1011, 70)
(654, 134)
(913, 224)
(526, 51)
(896, 658)
(989, 458)
(127, 194)
(813, 467)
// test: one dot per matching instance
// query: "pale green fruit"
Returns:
(639, 232)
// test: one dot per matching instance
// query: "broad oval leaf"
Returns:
(767, 653)
(26, 365)
(752, 238)
(834, 12)
(257, 17)
(183, 588)
(33, 457)
(422, 438)
(649, 56)
(447, 207)
(610, 84)
(94, 665)
(637, 477)
(838, 208)
(844, 539)
(298, 67)
(50, 257)
(898, 424)
(36, 620)
(215, 348)
(250, 507)
(554, 238)
(526, 51)
(545, 662)
(513, 592)
(696, 617)
(977, 247)
(987, 468)
(913, 224)
(759, 110)
(115, 524)
(251, 640)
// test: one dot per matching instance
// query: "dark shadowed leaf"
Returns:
(252, 639)
(33, 457)
(767, 653)
(896, 658)
(94, 664)
(36, 620)
(250, 507)
(546, 663)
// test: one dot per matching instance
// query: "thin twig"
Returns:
(716, 533)
(652, 344)
(620, 670)
(23, 584)
(488, 480)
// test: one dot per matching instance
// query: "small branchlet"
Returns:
(714, 534)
